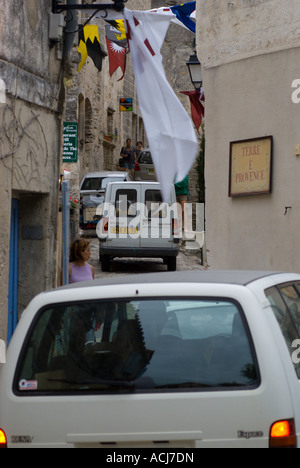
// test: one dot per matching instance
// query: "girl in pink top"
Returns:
(79, 268)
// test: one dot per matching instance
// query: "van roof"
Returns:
(138, 182)
(104, 174)
(236, 277)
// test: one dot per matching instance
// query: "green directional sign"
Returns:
(70, 150)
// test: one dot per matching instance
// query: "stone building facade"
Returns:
(250, 50)
(92, 99)
(38, 91)
(30, 138)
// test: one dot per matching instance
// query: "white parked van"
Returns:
(136, 223)
(195, 359)
(92, 190)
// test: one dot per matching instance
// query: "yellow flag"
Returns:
(82, 49)
(120, 25)
(89, 45)
(92, 33)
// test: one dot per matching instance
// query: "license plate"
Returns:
(124, 230)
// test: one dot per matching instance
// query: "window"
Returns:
(99, 183)
(145, 158)
(154, 204)
(137, 346)
(89, 131)
(126, 200)
(81, 119)
(291, 297)
(285, 302)
(110, 121)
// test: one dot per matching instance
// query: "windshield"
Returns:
(145, 158)
(99, 183)
(137, 346)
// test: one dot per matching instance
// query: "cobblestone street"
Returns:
(124, 266)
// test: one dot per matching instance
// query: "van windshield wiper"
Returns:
(122, 384)
(186, 385)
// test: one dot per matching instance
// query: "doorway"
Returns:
(13, 271)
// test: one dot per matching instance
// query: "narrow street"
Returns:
(124, 266)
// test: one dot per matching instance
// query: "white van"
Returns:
(199, 359)
(136, 223)
(92, 191)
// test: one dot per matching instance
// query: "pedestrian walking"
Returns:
(79, 268)
(128, 154)
(182, 193)
(139, 148)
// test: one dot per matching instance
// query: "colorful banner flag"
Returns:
(89, 46)
(115, 32)
(183, 13)
(117, 57)
(197, 108)
(169, 128)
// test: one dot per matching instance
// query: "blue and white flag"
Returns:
(183, 14)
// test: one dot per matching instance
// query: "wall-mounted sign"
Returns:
(126, 105)
(70, 149)
(251, 167)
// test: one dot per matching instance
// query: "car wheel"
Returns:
(105, 263)
(172, 264)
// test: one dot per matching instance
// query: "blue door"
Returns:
(13, 272)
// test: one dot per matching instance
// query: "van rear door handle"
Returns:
(129, 437)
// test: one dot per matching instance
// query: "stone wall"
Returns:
(229, 31)
(93, 99)
(249, 51)
(30, 137)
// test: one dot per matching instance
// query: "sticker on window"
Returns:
(28, 385)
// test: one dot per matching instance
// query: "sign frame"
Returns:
(70, 142)
(126, 105)
(250, 167)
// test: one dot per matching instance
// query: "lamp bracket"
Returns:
(118, 5)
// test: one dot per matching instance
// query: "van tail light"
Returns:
(105, 225)
(175, 232)
(137, 167)
(3, 440)
(283, 434)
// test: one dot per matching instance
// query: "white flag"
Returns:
(169, 128)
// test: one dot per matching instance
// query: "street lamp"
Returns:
(195, 71)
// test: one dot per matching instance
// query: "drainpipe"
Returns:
(71, 28)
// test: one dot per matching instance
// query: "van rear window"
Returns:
(285, 302)
(129, 346)
(99, 183)
(155, 208)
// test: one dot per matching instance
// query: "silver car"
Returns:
(92, 190)
(144, 167)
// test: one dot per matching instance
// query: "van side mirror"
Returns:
(2, 352)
